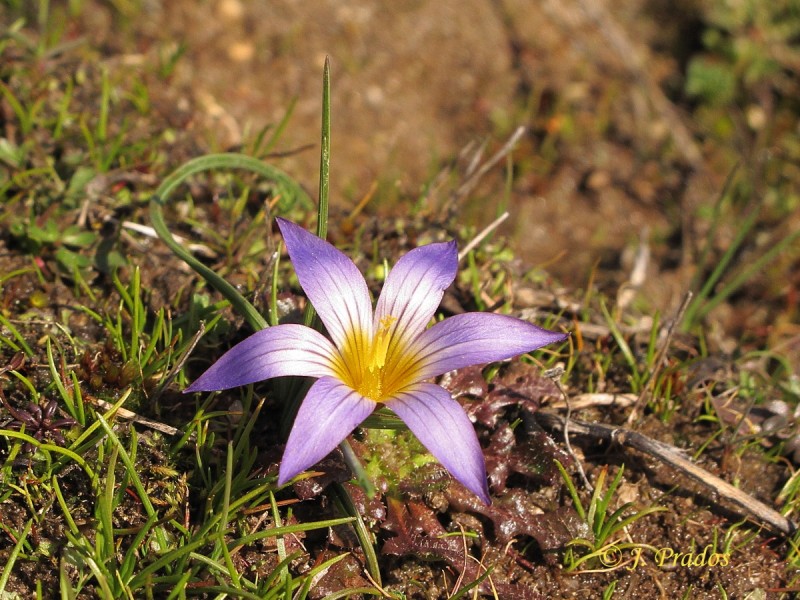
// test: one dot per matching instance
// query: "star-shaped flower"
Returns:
(386, 357)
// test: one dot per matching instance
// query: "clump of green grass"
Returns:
(601, 549)
(112, 505)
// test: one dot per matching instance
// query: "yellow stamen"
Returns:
(368, 367)
(380, 345)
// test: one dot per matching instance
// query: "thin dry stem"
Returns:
(482, 235)
(672, 456)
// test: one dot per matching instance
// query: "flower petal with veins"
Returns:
(442, 426)
(273, 352)
(333, 284)
(329, 413)
(414, 288)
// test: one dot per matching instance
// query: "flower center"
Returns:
(370, 366)
(371, 384)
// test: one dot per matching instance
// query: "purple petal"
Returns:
(272, 352)
(476, 338)
(442, 426)
(329, 412)
(414, 288)
(331, 281)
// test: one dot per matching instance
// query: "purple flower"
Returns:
(386, 357)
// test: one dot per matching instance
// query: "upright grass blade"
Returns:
(745, 275)
(74, 403)
(258, 150)
(343, 498)
(708, 297)
(279, 543)
(130, 467)
(23, 345)
(324, 171)
(573, 492)
(12, 557)
(104, 510)
(708, 287)
(325, 152)
(295, 392)
(627, 353)
(223, 522)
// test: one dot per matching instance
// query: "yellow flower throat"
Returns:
(371, 366)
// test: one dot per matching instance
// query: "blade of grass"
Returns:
(12, 557)
(282, 566)
(105, 510)
(64, 508)
(129, 561)
(279, 129)
(697, 304)
(753, 268)
(48, 448)
(289, 529)
(74, 404)
(23, 345)
(623, 346)
(134, 475)
(362, 531)
(714, 223)
(273, 290)
(573, 492)
(279, 543)
(223, 522)
(79, 544)
(325, 152)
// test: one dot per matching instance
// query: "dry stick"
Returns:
(591, 400)
(136, 418)
(659, 362)
(482, 235)
(364, 201)
(148, 231)
(475, 162)
(627, 291)
(672, 456)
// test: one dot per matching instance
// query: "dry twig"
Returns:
(672, 456)
(482, 235)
